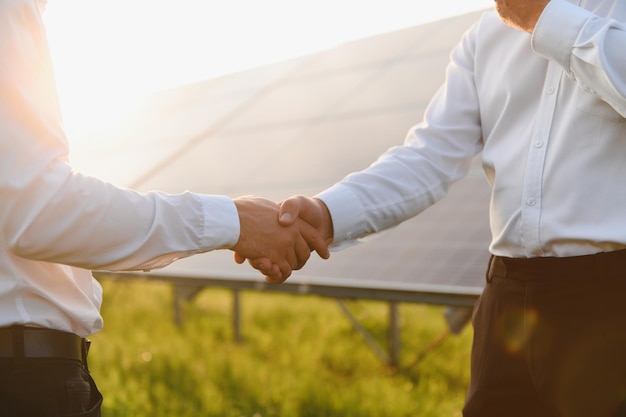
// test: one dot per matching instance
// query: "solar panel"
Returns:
(299, 127)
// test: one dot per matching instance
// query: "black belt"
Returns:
(19, 342)
(604, 263)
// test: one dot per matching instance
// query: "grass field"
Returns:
(300, 357)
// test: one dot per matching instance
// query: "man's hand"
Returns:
(521, 14)
(274, 249)
(313, 220)
(312, 211)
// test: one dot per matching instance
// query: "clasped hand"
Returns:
(278, 239)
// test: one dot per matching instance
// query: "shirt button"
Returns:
(549, 90)
(531, 201)
(538, 144)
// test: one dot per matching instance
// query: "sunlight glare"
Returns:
(108, 56)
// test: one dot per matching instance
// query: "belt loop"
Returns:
(85, 352)
(490, 269)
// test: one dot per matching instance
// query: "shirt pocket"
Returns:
(592, 104)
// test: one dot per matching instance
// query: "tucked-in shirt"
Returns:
(56, 224)
(547, 112)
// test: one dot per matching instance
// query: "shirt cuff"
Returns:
(347, 217)
(221, 222)
(557, 29)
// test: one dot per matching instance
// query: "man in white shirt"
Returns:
(57, 225)
(540, 90)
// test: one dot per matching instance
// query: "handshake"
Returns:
(277, 239)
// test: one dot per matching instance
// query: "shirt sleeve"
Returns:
(589, 47)
(411, 177)
(49, 212)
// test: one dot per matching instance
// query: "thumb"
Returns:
(289, 210)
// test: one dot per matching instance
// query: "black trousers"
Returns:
(47, 387)
(550, 339)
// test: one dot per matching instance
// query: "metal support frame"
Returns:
(183, 293)
(237, 316)
(461, 303)
(186, 293)
(392, 356)
(393, 334)
(371, 342)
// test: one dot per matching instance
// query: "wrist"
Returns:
(326, 229)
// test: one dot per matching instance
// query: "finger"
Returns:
(262, 264)
(274, 280)
(292, 258)
(285, 268)
(270, 271)
(274, 276)
(285, 272)
(303, 252)
(273, 272)
(239, 258)
(314, 239)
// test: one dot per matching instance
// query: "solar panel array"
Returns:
(298, 127)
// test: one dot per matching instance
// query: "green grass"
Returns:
(300, 357)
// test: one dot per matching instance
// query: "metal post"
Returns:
(369, 339)
(183, 293)
(394, 334)
(237, 316)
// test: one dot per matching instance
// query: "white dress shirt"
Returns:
(548, 113)
(57, 224)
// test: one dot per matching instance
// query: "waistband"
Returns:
(20, 342)
(599, 264)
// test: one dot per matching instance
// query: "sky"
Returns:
(108, 55)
